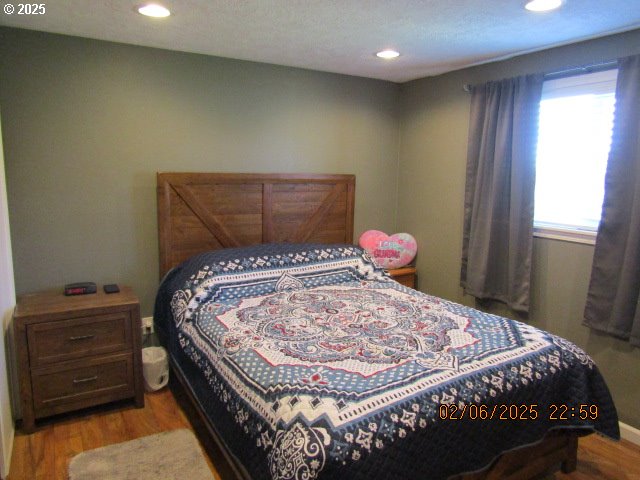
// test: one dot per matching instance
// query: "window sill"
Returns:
(585, 237)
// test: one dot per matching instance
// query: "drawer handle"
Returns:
(84, 380)
(81, 337)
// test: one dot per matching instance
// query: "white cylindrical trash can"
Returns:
(155, 368)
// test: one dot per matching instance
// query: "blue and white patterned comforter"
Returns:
(312, 363)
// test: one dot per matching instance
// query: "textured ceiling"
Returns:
(434, 36)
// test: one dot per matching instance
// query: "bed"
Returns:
(307, 361)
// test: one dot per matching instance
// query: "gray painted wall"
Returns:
(87, 124)
(434, 130)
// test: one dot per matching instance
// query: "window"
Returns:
(576, 121)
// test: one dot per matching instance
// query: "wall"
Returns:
(7, 302)
(88, 123)
(434, 130)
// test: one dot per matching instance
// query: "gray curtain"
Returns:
(613, 301)
(499, 193)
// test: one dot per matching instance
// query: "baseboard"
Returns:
(627, 432)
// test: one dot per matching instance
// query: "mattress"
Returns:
(310, 362)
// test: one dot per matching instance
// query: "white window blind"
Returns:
(576, 120)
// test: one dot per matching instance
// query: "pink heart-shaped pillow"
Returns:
(387, 251)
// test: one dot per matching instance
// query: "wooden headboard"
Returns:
(198, 212)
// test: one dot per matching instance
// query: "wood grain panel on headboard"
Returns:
(198, 212)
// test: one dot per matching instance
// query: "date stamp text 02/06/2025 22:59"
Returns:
(532, 411)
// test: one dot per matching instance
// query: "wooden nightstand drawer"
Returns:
(77, 352)
(51, 342)
(404, 275)
(57, 388)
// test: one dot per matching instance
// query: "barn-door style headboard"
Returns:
(198, 212)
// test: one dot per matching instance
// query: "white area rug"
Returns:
(168, 456)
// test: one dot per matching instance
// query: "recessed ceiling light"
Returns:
(542, 5)
(154, 10)
(387, 54)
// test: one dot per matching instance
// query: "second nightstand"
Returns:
(404, 275)
(78, 351)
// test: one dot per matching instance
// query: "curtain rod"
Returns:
(589, 68)
(567, 72)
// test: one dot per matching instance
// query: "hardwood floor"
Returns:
(45, 454)
(602, 458)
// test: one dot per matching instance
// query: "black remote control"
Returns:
(111, 288)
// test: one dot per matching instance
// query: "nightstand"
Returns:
(76, 352)
(404, 275)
